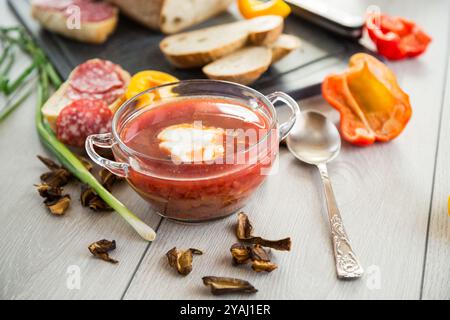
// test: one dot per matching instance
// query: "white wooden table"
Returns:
(393, 198)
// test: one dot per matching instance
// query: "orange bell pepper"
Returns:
(448, 205)
(372, 105)
(255, 8)
(145, 80)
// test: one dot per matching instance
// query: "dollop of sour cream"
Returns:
(192, 142)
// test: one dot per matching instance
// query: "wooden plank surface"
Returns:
(384, 193)
(40, 253)
(437, 275)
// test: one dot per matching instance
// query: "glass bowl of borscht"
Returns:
(196, 150)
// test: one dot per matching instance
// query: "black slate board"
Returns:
(137, 48)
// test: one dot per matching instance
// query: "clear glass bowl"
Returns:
(198, 191)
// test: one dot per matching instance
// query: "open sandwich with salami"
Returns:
(83, 20)
(85, 103)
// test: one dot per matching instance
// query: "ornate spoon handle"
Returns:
(347, 265)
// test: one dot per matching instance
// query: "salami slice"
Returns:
(94, 11)
(82, 118)
(90, 10)
(95, 76)
(108, 97)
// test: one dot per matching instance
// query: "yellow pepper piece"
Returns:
(255, 8)
(145, 80)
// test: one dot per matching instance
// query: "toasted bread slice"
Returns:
(284, 45)
(91, 32)
(243, 66)
(59, 100)
(171, 16)
(200, 47)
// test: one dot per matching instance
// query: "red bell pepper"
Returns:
(395, 37)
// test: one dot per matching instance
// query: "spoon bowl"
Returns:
(314, 139)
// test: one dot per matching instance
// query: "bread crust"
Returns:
(265, 37)
(90, 32)
(152, 13)
(145, 12)
(199, 59)
(245, 77)
(286, 44)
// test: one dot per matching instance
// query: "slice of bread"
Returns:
(200, 47)
(197, 48)
(90, 32)
(243, 66)
(264, 30)
(171, 16)
(59, 100)
(284, 45)
(246, 65)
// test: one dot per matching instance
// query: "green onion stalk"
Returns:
(48, 77)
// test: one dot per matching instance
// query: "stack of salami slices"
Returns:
(97, 79)
(85, 104)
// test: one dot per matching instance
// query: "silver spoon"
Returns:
(316, 141)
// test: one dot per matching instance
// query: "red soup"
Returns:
(198, 158)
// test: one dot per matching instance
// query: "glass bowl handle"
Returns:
(285, 127)
(105, 140)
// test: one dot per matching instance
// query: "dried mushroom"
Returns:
(108, 179)
(196, 251)
(267, 266)
(244, 227)
(259, 257)
(172, 257)
(49, 163)
(58, 176)
(244, 233)
(58, 206)
(241, 253)
(86, 163)
(281, 245)
(90, 199)
(222, 285)
(55, 201)
(257, 252)
(98, 205)
(182, 260)
(49, 192)
(101, 248)
(87, 194)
